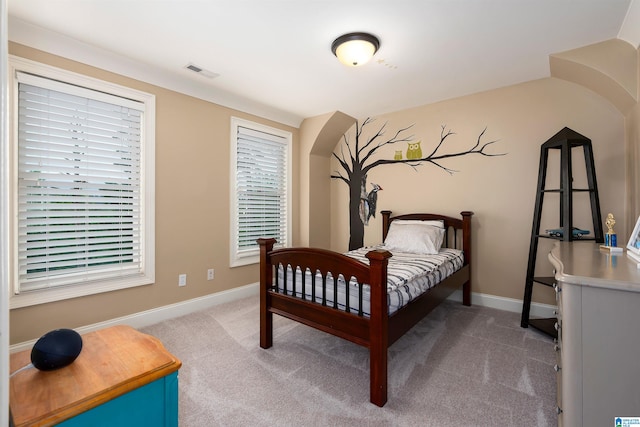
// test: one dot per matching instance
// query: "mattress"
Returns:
(408, 276)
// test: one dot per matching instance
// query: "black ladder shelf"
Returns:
(565, 141)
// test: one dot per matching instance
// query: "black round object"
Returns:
(56, 349)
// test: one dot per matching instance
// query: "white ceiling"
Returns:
(273, 57)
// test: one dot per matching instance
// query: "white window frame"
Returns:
(146, 275)
(252, 256)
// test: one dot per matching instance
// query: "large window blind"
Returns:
(262, 195)
(79, 185)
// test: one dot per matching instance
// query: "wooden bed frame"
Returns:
(379, 330)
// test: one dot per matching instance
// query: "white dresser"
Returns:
(598, 335)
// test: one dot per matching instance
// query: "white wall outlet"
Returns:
(182, 280)
(210, 274)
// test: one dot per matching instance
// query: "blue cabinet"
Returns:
(155, 404)
(121, 378)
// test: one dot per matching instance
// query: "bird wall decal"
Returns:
(368, 204)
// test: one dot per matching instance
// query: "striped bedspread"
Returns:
(409, 275)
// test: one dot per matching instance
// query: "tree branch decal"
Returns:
(362, 205)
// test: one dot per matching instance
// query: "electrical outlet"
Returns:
(210, 274)
(182, 280)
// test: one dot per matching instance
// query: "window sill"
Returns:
(44, 296)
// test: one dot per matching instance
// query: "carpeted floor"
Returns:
(470, 366)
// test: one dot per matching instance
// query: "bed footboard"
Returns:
(321, 309)
(371, 332)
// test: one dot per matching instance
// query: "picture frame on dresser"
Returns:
(633, 246)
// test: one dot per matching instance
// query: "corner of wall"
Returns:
(318, 137)
(609, 68)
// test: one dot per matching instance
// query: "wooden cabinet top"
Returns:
(112, 362)
(584, 263)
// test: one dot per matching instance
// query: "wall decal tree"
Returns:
(357, 162)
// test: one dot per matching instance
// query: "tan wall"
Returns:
(633, 166)
(611, 69)
(192, 182)
(500, 190)
(192, 211)
(633, 158)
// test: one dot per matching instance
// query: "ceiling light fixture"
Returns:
(355, 49)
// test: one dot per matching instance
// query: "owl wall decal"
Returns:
(414, 151)
(398, 155)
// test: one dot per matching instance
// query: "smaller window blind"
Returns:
(261, 189)
(79, 184)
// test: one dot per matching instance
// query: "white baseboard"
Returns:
(160, 314)
(507, 304)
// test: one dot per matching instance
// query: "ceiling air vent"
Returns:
(206, 73)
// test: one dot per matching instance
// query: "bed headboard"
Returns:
(457, 230)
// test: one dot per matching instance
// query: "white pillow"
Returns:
(434, 222)
(421, 239)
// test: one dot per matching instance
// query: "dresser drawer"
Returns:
(558, 369)
(558, 349)
(558, 312)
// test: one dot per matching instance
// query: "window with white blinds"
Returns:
(261, 196)
(81, 204)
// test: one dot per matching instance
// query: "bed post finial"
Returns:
(266, 243)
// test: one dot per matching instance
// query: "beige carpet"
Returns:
(460, 366)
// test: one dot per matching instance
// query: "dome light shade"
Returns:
(355, 49)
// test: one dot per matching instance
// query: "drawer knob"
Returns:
(556, 368)
(556, 347)
(556, 326)
(558, 410)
